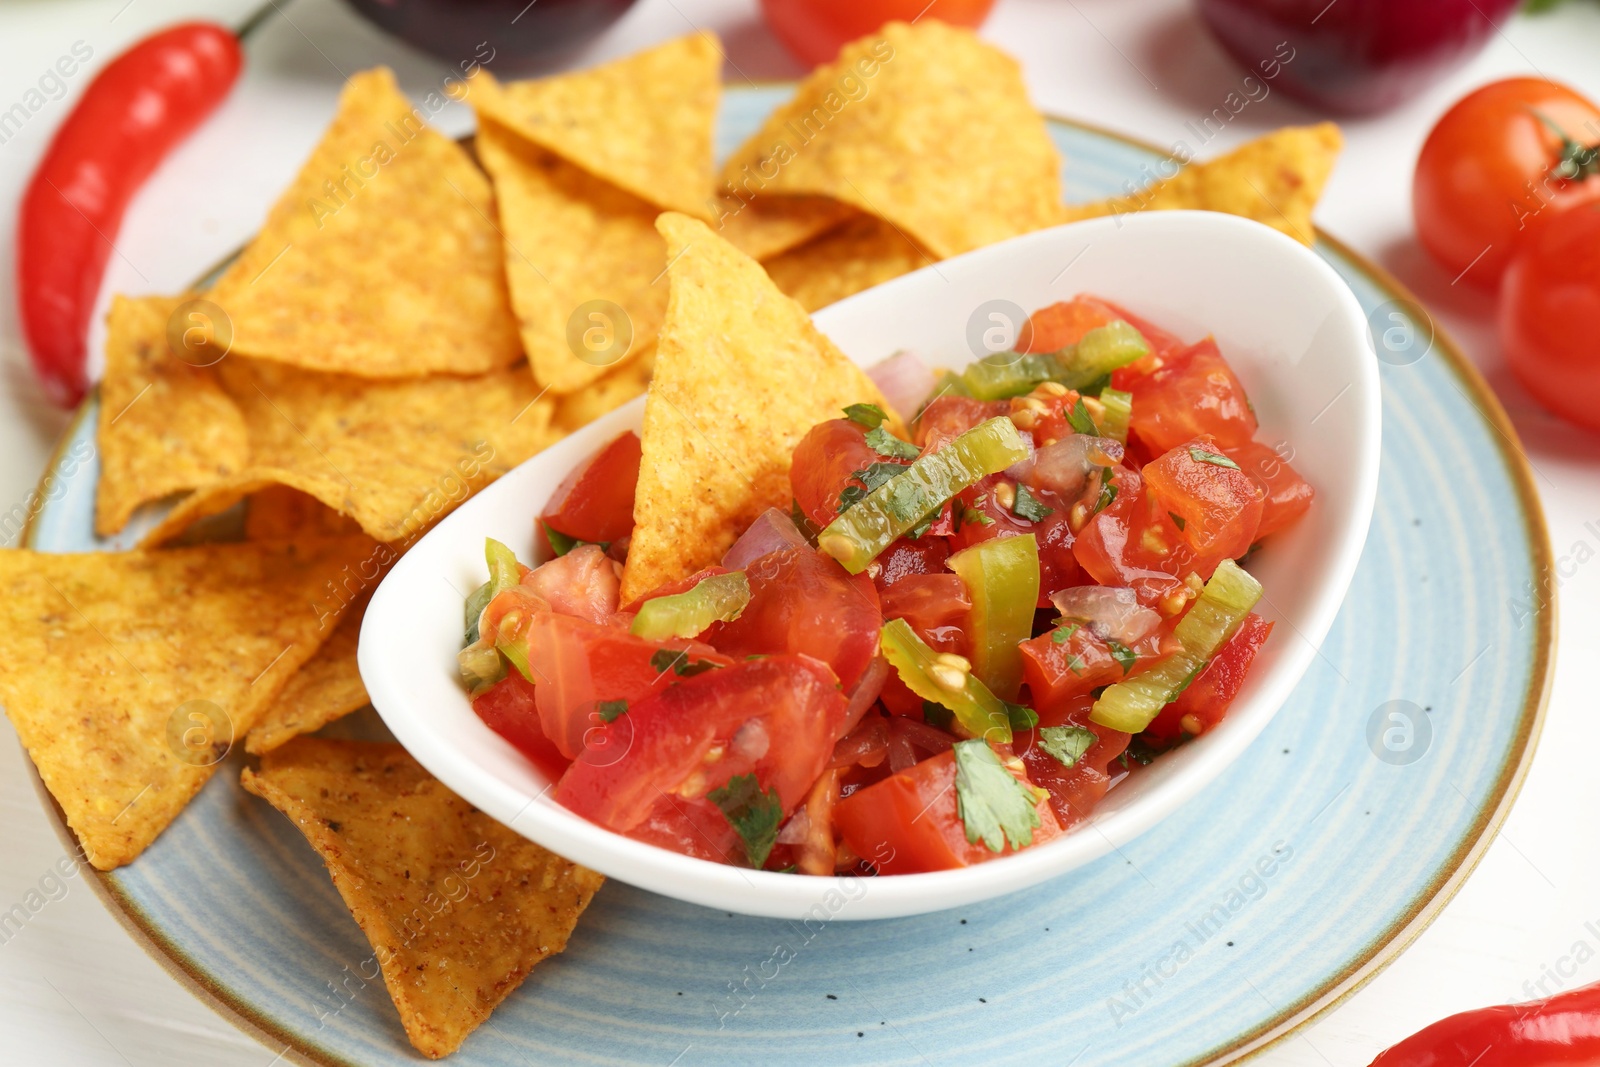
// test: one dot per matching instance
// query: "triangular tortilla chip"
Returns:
(328, 687)
(279, 513)
(458, 909)
(925, 126)
(395, 456)
(382, 258)
(166, 425)
(741, 375)
(864, 252)
(643, 123)
(576, 250)
(1275, 180)
(767, 226)
(605, 394)
(127, 674)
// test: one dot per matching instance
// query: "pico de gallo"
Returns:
(948, 648)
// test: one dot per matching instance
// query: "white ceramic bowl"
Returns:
(1286, 323)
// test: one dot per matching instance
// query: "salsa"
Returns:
(946, 649)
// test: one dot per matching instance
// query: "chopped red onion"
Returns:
(868, 688)
(1106, 611)
(904, 380)
(1065, 466)
(770, 532)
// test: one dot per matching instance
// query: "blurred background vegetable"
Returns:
(814, 30)
(521, 35)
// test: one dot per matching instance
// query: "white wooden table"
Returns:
(74, 989)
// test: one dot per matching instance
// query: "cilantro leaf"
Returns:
(1064, 634)
(801, 522)
(1075, 664)
(1108, 491)
(1200, 455)
(878, 473)
(754, 814)
(1078, 418)
(1028, 506)
(1177, 520)
(904, 500)
(993, 806)
(869, 415)
(1125, 656)
(884, 443)
(677, 661)
(850, 496)
(1022, 717)
(1066, 743)
(937, 715)
(609, 710)
(561, 543)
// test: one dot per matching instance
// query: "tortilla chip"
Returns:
(128, 673)
(925, 126)
(768, 226)
(572, 241)
(858, 255)
(606, 394)
(395, 456)
(458, 909)
(279, 513)
(382, 258)
(643, 123)
(1275, 180)
(328, 687)
(741, 375)
(166, 426)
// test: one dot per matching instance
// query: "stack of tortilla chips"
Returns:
(410, 323)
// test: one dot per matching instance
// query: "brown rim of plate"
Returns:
(1379, 953)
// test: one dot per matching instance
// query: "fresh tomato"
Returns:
(932, 603)
(1206, 700)
(803, 601)
(1053, 328)
(909, 822)
(907, 558)
(508, 708)
(695, 827)
(829, 460)
(948, 417)
(1213, 502)
(1060, 671)
(815, 30)
(1074, 790)
(1549, 305)
(1285, 495)
(1503, 155)
(595, 502)
(1190, 393)
(581, 666)
(776, 718)
(583, 583)
(1128, 542)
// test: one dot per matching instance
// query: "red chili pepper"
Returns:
(1563, 1029)
(133, 113)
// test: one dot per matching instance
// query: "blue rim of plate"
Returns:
(1282, 1022)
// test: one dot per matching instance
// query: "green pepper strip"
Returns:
(1228, 597)
(1119, 412)
(1102, 350)
(1007, 374)
(980, 712)
(856, 537)
(505, 573)
(1002, 579)
(719, 598)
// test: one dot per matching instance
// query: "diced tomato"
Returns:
(1287, 495)
(1213, 689)
(580, 665)
(1059, 671)
(695, 827)
(948, 417)
(1131, 544)
(595, 501)
(1075, 790)
(682, 585)
(908, 822)
(1053, 328)
(582, 583)
(979, 516)
(1058, 567)
(1213, 502)
(906, 557)
(1191, 393)
(932, 604)
(826, 462)
(776, 718)
(803, 601)
(508, 708)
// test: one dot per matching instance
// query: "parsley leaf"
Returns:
(1200, 455)
(869, 415)
(1022, 717)
(1064, 634)
(1177, 520)
(677, 661)
(609, 710)
(1028, 506)
(1125, 656)
(1066, 743)
(1108, 491)
(993, 806)
(884, 443)
(754, 814)
(1078, 418)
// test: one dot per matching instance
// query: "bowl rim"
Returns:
(777, 895)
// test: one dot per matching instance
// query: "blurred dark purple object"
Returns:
(521, 35)
(1354, 57)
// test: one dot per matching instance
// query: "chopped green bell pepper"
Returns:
(937, 677)
(1002, 579)
(1119, 412)
(1101, 351)
(719, 598)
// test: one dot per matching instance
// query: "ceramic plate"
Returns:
(1279, 889)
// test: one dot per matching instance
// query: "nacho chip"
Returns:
(768, 226)
(127, 674)
(586, 266)
(279, 513)
(458, 909)
(1275, 180)
(925, 126)
(328, 687)
(858, 255)
(166, 426)
(382, 258)
(395, 456)
(605, 394)
(741, 375)
(643, 123)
